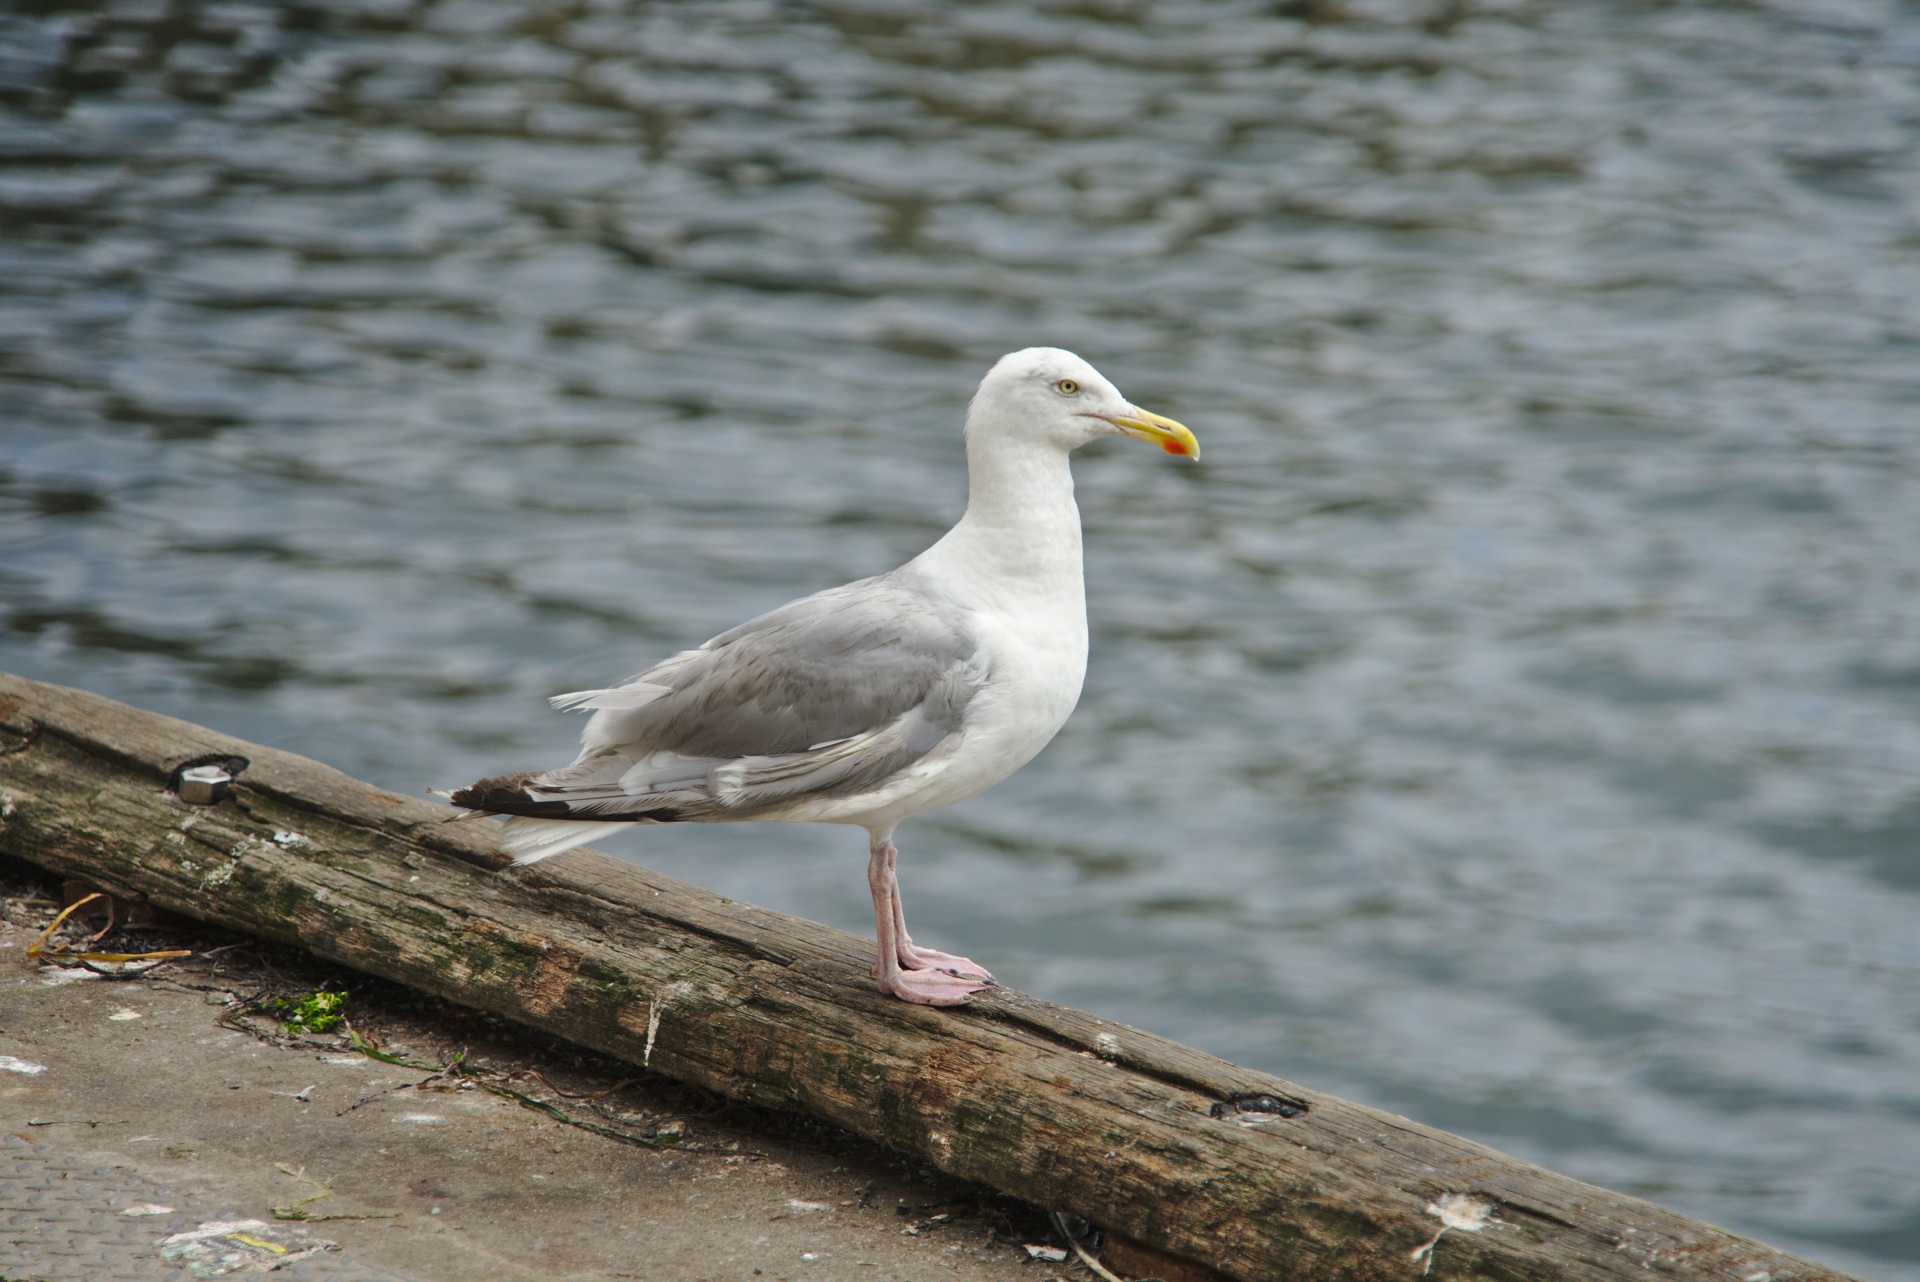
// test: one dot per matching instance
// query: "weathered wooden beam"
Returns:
(1153, 1139)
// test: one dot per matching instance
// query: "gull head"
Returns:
(1050, 395)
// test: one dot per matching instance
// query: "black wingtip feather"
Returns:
(507, 795)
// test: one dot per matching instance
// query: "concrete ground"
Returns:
(182, 1077)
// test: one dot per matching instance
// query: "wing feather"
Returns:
(827, 696)
(837, 664)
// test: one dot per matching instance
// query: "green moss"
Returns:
(1338, 1223)
(853, 1072)
(609, 992)
(899, 1118)
(288, 898)
(497, 961)
(993, 1137)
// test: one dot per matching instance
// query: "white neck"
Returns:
(1021, 530)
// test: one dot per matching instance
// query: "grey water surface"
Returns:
(1513, 722)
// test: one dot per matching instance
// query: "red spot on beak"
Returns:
(1173, 447)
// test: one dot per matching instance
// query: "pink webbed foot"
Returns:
(913, 957)
(925, 976)
(931, 987)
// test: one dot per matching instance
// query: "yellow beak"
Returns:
(1170, 436)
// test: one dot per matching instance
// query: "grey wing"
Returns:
(828, 696)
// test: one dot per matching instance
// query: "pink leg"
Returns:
(919, 985)
(912, 957)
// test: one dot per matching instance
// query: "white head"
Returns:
(1047, 394)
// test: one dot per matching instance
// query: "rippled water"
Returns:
(1515, 721)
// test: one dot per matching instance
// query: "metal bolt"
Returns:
(204, 785)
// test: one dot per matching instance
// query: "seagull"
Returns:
(870, 703)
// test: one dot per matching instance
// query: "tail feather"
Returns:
(530, 840)
(619, 698)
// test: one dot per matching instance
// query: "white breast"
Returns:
(1035, 644)
(1012, 565)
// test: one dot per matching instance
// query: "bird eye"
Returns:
(1067, 387)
